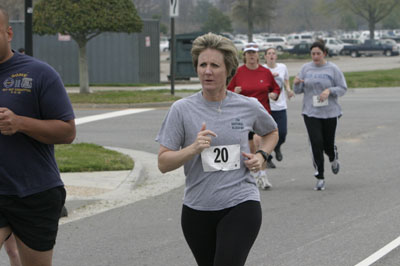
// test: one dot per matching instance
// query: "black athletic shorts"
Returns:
(34, 218)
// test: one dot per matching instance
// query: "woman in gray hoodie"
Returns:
(322, 83)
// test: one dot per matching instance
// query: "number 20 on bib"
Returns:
(221, 158)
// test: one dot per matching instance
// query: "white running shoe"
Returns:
(262, 181)
(320, 184)
(335, 165)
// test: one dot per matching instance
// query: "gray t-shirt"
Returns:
(316, 80)
(231, 120)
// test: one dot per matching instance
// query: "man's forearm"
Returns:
(48, 131)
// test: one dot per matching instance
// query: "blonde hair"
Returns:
(219, 43)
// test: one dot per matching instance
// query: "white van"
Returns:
(298, 38)
(277, 42)
(365, 35)
(334, 46)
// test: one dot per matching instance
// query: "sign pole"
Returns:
(173, 12)
(172, 56)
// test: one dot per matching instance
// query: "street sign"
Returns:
(173, 8)
(147, 41)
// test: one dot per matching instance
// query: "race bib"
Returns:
(318, 103)
(221, 158)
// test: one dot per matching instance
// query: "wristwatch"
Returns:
(264, 154)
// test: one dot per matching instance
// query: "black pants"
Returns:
(280, 118)
(222, 238)
(321, 133)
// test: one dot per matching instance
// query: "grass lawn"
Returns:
(86, 157)
(365, 79)
(371, 79)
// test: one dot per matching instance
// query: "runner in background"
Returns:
(254, 80)
(322, 83)
(279, 107)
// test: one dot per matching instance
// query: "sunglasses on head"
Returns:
(252, 45)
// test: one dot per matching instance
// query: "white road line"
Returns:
(380, 253)
(92, 118)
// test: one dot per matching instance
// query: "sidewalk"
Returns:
(178, 87)
(94, 192)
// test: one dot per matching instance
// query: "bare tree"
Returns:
(372, 11)
(147, 8)
(15, 8)
(254, 12)
(250, 20)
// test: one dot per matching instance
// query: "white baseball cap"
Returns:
(251, 46)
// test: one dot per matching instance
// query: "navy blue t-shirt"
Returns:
(31, 88)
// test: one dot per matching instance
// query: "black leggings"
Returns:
(280, 118)
(322, 138)
(221, 238)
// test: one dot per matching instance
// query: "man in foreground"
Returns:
(35, 114)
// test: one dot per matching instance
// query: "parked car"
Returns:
(334, 47)
(299, 38)
(351, 41)
(347, 43)
(343, 51)
(300, 48)
(262, 44)
(279, 43)
(371, 47)
(391, 42)
(396, 32)
(240, 44)
(164, 44)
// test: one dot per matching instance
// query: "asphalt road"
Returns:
(358, 213)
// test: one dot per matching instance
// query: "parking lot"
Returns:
(345, 63)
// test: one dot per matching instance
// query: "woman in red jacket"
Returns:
(254, 80)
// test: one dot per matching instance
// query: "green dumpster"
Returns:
(184, 69)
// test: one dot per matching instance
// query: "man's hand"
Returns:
(46, 131)
(8, 121)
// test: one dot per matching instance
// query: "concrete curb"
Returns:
(135, 178)
(144, 181)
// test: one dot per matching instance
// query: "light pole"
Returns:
(28, 28)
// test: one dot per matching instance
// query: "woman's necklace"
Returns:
(215, 104)
(220, 103)
(219, 107)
